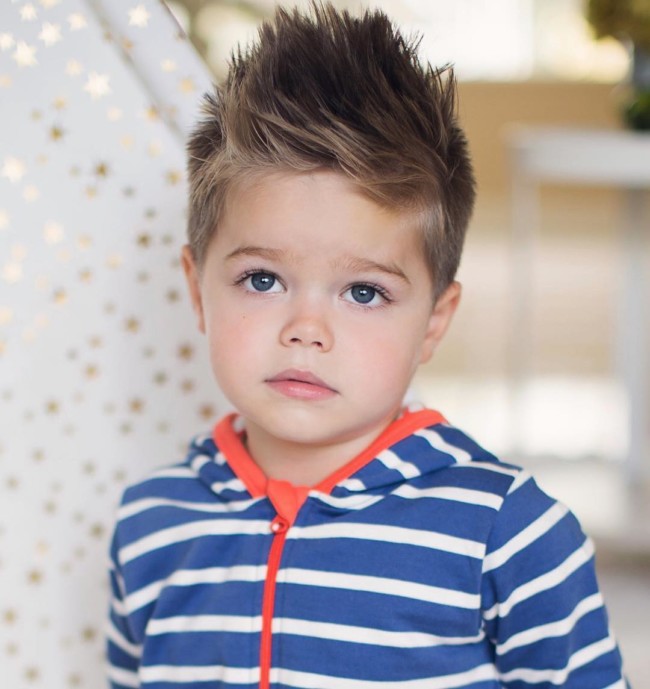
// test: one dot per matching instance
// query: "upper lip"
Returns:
(301, 377)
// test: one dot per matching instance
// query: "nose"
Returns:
(307, 326)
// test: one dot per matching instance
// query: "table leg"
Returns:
(632, 345)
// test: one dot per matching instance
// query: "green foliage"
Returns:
(637, 112)
(623, 19)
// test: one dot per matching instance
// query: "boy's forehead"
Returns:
(266, 190)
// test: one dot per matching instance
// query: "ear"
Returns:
(441, 315)
(194, 285)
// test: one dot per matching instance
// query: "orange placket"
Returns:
(287, 499)
(279, 527)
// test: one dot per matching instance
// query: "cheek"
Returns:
(234, 338)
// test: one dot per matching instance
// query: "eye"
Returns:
(366, 295)
(260, 281)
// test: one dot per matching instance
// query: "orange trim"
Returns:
(240, 461)
(279, 528)
(286, 494)
(398, 430)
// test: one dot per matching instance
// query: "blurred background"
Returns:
(538, 365)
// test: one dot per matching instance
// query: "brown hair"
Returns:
(328, 90)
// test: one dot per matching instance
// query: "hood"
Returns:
(419, 442)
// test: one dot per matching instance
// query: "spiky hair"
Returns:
(326, 90)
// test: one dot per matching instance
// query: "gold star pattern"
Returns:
(32, 674)
(52, 407)
(207, 412)
(9, 616)
(187, 386)
(152, 114)
(102, 170)
(50, 34)
(56, 133)
(187, 85)
(86, 275)
(132, 325)
(60, 297)
(31, 193)
(154, 149)
(119, 476)
(59, 103)
(77, 21)
(97, 85)
(12, 272)
(160, 378)
(173, 177)
(91, 371)
(168, 65)
(186, 352)
(114, 261)
(25, 55)
(136, 406)
(139, 16)
(4, 219)
(6, 42)
(89, 634)
(28, 12)
(13, 169)
(97, 531)
(144, 240)
(73, 68)
(35, 577)
(173, 296)
(6, 315)
(53, 232)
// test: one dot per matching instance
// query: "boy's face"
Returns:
(318, 308)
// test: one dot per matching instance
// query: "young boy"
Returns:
(325, 537)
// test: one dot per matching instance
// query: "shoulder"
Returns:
(520, 505)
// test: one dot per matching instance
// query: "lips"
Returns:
(300, 385)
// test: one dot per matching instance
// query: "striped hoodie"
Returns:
(424, 563)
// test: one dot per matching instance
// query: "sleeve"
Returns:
(122, 653)
(542, 608)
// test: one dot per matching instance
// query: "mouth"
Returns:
(300, 385)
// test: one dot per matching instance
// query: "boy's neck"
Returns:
(302, 464)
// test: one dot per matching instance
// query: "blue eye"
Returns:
(363, 294)
(262, 282)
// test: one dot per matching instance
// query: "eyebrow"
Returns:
(352, 263)
(258, 251)
(358, 264)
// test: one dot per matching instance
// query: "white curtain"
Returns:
(102, 372)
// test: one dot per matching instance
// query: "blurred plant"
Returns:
(627, 20)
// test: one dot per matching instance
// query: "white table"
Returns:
(607, 158)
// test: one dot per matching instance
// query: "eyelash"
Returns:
(381, 291)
